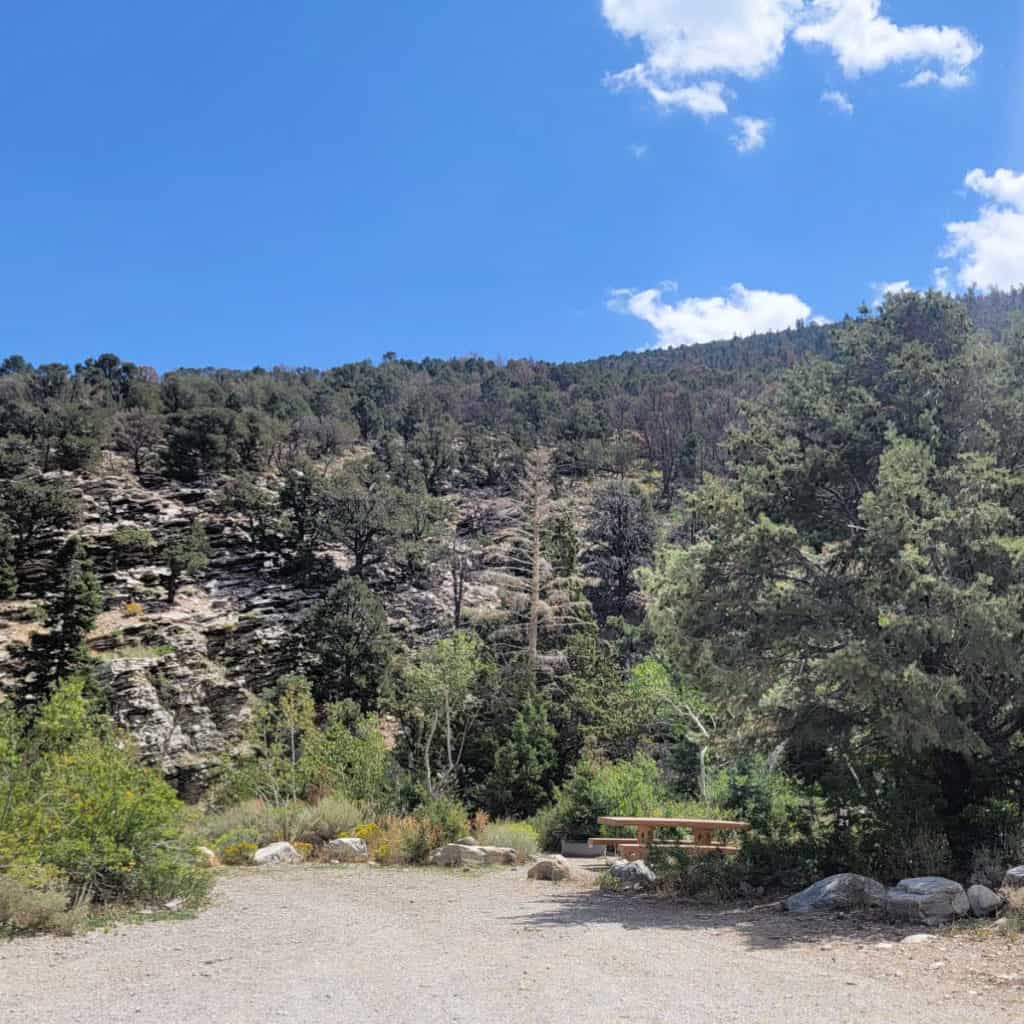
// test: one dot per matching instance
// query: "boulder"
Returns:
(551, 869)
(838, 892)
(456, 855)
(348, 851)
(277, 853)
(466, 841)
(984, 902)
(929, 900)
(633, 873)
(1014, 878)
(499, 854)
(206, 857)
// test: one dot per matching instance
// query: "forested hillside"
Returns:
(779, 575)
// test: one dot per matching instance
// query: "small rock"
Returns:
(277, 853)
(633, 873)
(1014, 878)
(207, 857)
(917, 939)
(984, 902)
(838, 892)
(346, 850)
(174, 905)
(551, 869)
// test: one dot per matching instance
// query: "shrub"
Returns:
(519, 835)
(294, 821)
(599, 788)
(237, 854)
(79, 803)
(25, 910)
(712, 877)
(445, 818)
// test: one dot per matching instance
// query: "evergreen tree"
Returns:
(71, 612)
(345, 646)
(185, 553)
(621, 534)
(522, 775)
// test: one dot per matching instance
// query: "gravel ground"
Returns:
(372, 945)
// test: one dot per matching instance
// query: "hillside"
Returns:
(403, 482)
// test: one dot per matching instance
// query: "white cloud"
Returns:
(838, 99)
(940, 279)
(692, 47)
(884, 288)
(639, 150)
(689, 321)
(864, 41)
(751, 134)
(990, 249)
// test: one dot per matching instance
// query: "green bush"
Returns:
(598, 788)
(520, 836)
(79, 805)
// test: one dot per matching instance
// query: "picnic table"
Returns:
(702, 835)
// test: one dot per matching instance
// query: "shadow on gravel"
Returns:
(763, 928)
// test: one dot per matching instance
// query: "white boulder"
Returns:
(633, 873)
(456, 855)
(348, 851)
(277, 853)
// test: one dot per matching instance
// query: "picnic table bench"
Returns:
(702, 835)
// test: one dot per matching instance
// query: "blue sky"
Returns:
(236, 183)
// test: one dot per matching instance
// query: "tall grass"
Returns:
(295, 821)
(517, 835)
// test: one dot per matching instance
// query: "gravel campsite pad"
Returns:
(426, 945)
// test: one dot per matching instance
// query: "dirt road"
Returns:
(393, 946)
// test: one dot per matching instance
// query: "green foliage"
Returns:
(8, 575)
(78, 806)
(71, 612)
(520, 836)
(856, 592)
(260, 822)
(297, 753)
(524, 765)
(345, 645)
(36, 511)
(595, 789)
(440, 699)
(621, 535)
(184, 553)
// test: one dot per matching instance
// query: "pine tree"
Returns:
(541, 602)
(70, 616)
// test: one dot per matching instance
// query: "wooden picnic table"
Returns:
(702, 831)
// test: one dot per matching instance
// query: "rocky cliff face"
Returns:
(180, 679)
